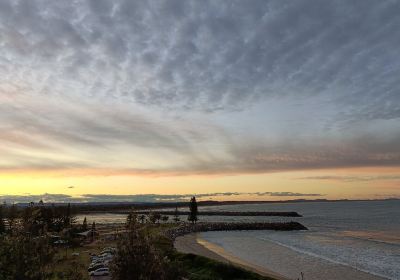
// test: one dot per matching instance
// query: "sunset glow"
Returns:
(243, 102)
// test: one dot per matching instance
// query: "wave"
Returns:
(371, 236)
(320, 256)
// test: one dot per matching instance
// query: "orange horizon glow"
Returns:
(350, 183)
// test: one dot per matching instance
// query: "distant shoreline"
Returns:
(164, 204)
(115, 207)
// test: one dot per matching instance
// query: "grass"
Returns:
(67, 266)
(201, 268)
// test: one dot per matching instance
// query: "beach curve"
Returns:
(193, 244)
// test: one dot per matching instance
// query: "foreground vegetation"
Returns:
(201, 268)
(28, 250)
(146, 247)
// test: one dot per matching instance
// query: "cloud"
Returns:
(354, 178)
(182, 87)
(288, 194)
(62, 198)
(210, 55)
(69, 136)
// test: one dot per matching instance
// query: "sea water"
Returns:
(364, 235)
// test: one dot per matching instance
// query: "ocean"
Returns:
(363, 235)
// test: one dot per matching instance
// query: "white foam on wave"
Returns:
(336, 261)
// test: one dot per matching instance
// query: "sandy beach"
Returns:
(194, 244)
(278, 262)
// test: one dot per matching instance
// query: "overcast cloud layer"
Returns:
(183, 87)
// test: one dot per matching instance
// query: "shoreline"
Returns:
(192, 243)
(282, 263)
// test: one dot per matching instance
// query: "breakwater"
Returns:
(223, 213)
(187, 228)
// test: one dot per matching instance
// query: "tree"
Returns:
(33, 220)
(154, 217)
(157, 216)
(176, 215)
(37, 219)
(138, 258)
(58, 217)
(93, 233)
(164, 219)
(193, 210)
(142, 218)
(48, 217)
(128, 220)
(27, 218)
(11, 217)
(132, 218)
(2, 224)
(84, 224)
(23, 257)
(69, 218)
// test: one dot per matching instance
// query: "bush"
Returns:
(138, 258)
(23, 257)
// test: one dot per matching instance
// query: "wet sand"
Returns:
(277, 261)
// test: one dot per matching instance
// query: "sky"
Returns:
(157, 100)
